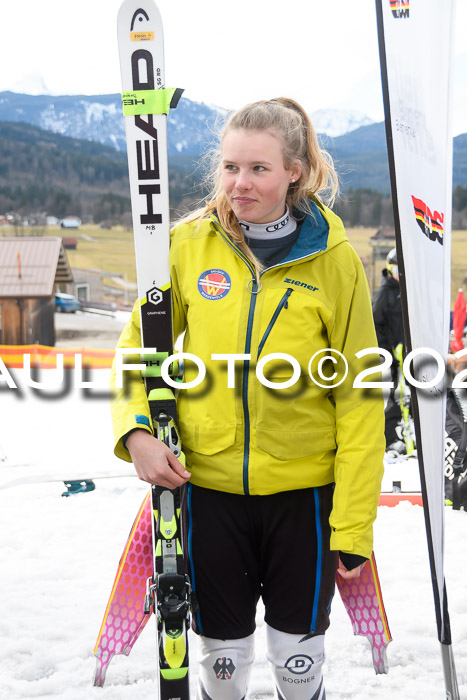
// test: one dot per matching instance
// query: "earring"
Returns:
(292, 180)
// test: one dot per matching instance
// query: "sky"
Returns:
(324, 53)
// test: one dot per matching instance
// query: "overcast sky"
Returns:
(322, 52)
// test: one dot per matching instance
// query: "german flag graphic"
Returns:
(400, 8)
(430, 224)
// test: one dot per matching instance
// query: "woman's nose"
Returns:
(243, 180)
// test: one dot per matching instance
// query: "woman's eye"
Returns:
(259, 168)
(230, 167)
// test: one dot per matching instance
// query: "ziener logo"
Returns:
(430, 223)
(299, 283)
(299, 664)
(400, 8)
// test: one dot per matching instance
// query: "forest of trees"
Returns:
(359, 207)
(42, 174)
(364, 207)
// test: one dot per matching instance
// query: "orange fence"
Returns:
(46, 357)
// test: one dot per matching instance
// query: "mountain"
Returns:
(362, 161)
(459, 171)
(31, 84)
(360, 157)
(99, 118)
(45, 171)
(335, 122)
(41, 171)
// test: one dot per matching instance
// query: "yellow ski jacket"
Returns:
(254, 439)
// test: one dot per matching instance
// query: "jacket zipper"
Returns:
(283, 304)
(246, 368)
(246, 363)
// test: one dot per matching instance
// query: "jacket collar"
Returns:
(312, 239)
(313, 236)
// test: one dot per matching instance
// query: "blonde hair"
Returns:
(286, 119)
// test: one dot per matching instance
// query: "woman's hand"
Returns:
(154, 461)
(353, 573)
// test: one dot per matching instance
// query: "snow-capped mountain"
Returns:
(31, 84)
(99, 118)
(335, 122)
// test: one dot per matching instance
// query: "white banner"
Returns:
(416, 48)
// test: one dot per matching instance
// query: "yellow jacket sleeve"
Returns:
(129, 404)
(359, 423)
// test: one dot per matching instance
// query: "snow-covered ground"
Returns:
(90, 329)
(59, 557)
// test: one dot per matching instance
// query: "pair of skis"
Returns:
(152, 565)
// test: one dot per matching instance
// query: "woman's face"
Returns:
(254, 178)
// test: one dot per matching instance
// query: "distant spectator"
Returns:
(387, 315)
(387, 308)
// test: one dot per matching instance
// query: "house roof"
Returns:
(29, 267)
(384, 234)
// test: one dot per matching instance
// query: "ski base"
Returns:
(363, 601)
(124, 617)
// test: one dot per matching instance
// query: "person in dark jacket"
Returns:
(387, 308)
(387, 315)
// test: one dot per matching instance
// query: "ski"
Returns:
(363, 602)
(146, 102)
(124, 617)
(74, 485)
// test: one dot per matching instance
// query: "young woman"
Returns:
(282, 481)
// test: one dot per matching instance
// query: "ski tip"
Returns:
(99, 673)
(75, 486)
(380, 659)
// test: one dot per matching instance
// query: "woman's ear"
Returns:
(295, 171)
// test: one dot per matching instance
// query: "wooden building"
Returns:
(29, 270)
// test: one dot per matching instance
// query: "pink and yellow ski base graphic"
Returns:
(364, 604)
(124, 618)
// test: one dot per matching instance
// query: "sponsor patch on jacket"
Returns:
(300, 283)
(214, 284)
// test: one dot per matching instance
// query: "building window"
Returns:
(83, 292)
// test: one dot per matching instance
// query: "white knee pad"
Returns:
(224, 668)
(297, 662)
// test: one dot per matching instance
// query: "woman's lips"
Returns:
(244, 200)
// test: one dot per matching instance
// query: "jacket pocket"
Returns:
(283, 304)
(207, 440)
(287, 444)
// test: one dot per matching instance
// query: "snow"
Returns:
(407, 474)
(52, 121)
(96, 112)
(59, 558)
(31, 84)
(335, 122)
